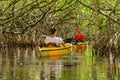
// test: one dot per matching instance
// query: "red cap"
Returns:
(78, 31)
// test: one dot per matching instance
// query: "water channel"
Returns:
(26, 64)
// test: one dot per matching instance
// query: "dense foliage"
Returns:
(25, 21)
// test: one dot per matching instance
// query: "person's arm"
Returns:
(46, 41)
(76, 37)
(63, 44)
(81, 38)
(61, 41)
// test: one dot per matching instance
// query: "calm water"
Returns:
(25, 64)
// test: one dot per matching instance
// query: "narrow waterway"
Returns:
(26, 64)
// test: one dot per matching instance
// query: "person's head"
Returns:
(53, 31)
(78, 31)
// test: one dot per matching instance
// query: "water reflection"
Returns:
(25, 64)
(14, 63)
(51, 70)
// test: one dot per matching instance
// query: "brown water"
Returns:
(26, 64)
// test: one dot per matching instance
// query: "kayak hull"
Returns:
(56, 51)
(80, 47)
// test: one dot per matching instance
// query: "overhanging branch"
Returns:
(107, 16)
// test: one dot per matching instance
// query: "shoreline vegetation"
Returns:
(23, 22)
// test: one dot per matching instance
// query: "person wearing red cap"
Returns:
(79, 36)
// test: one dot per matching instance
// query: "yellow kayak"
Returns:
(80, 46)
(56, 50)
